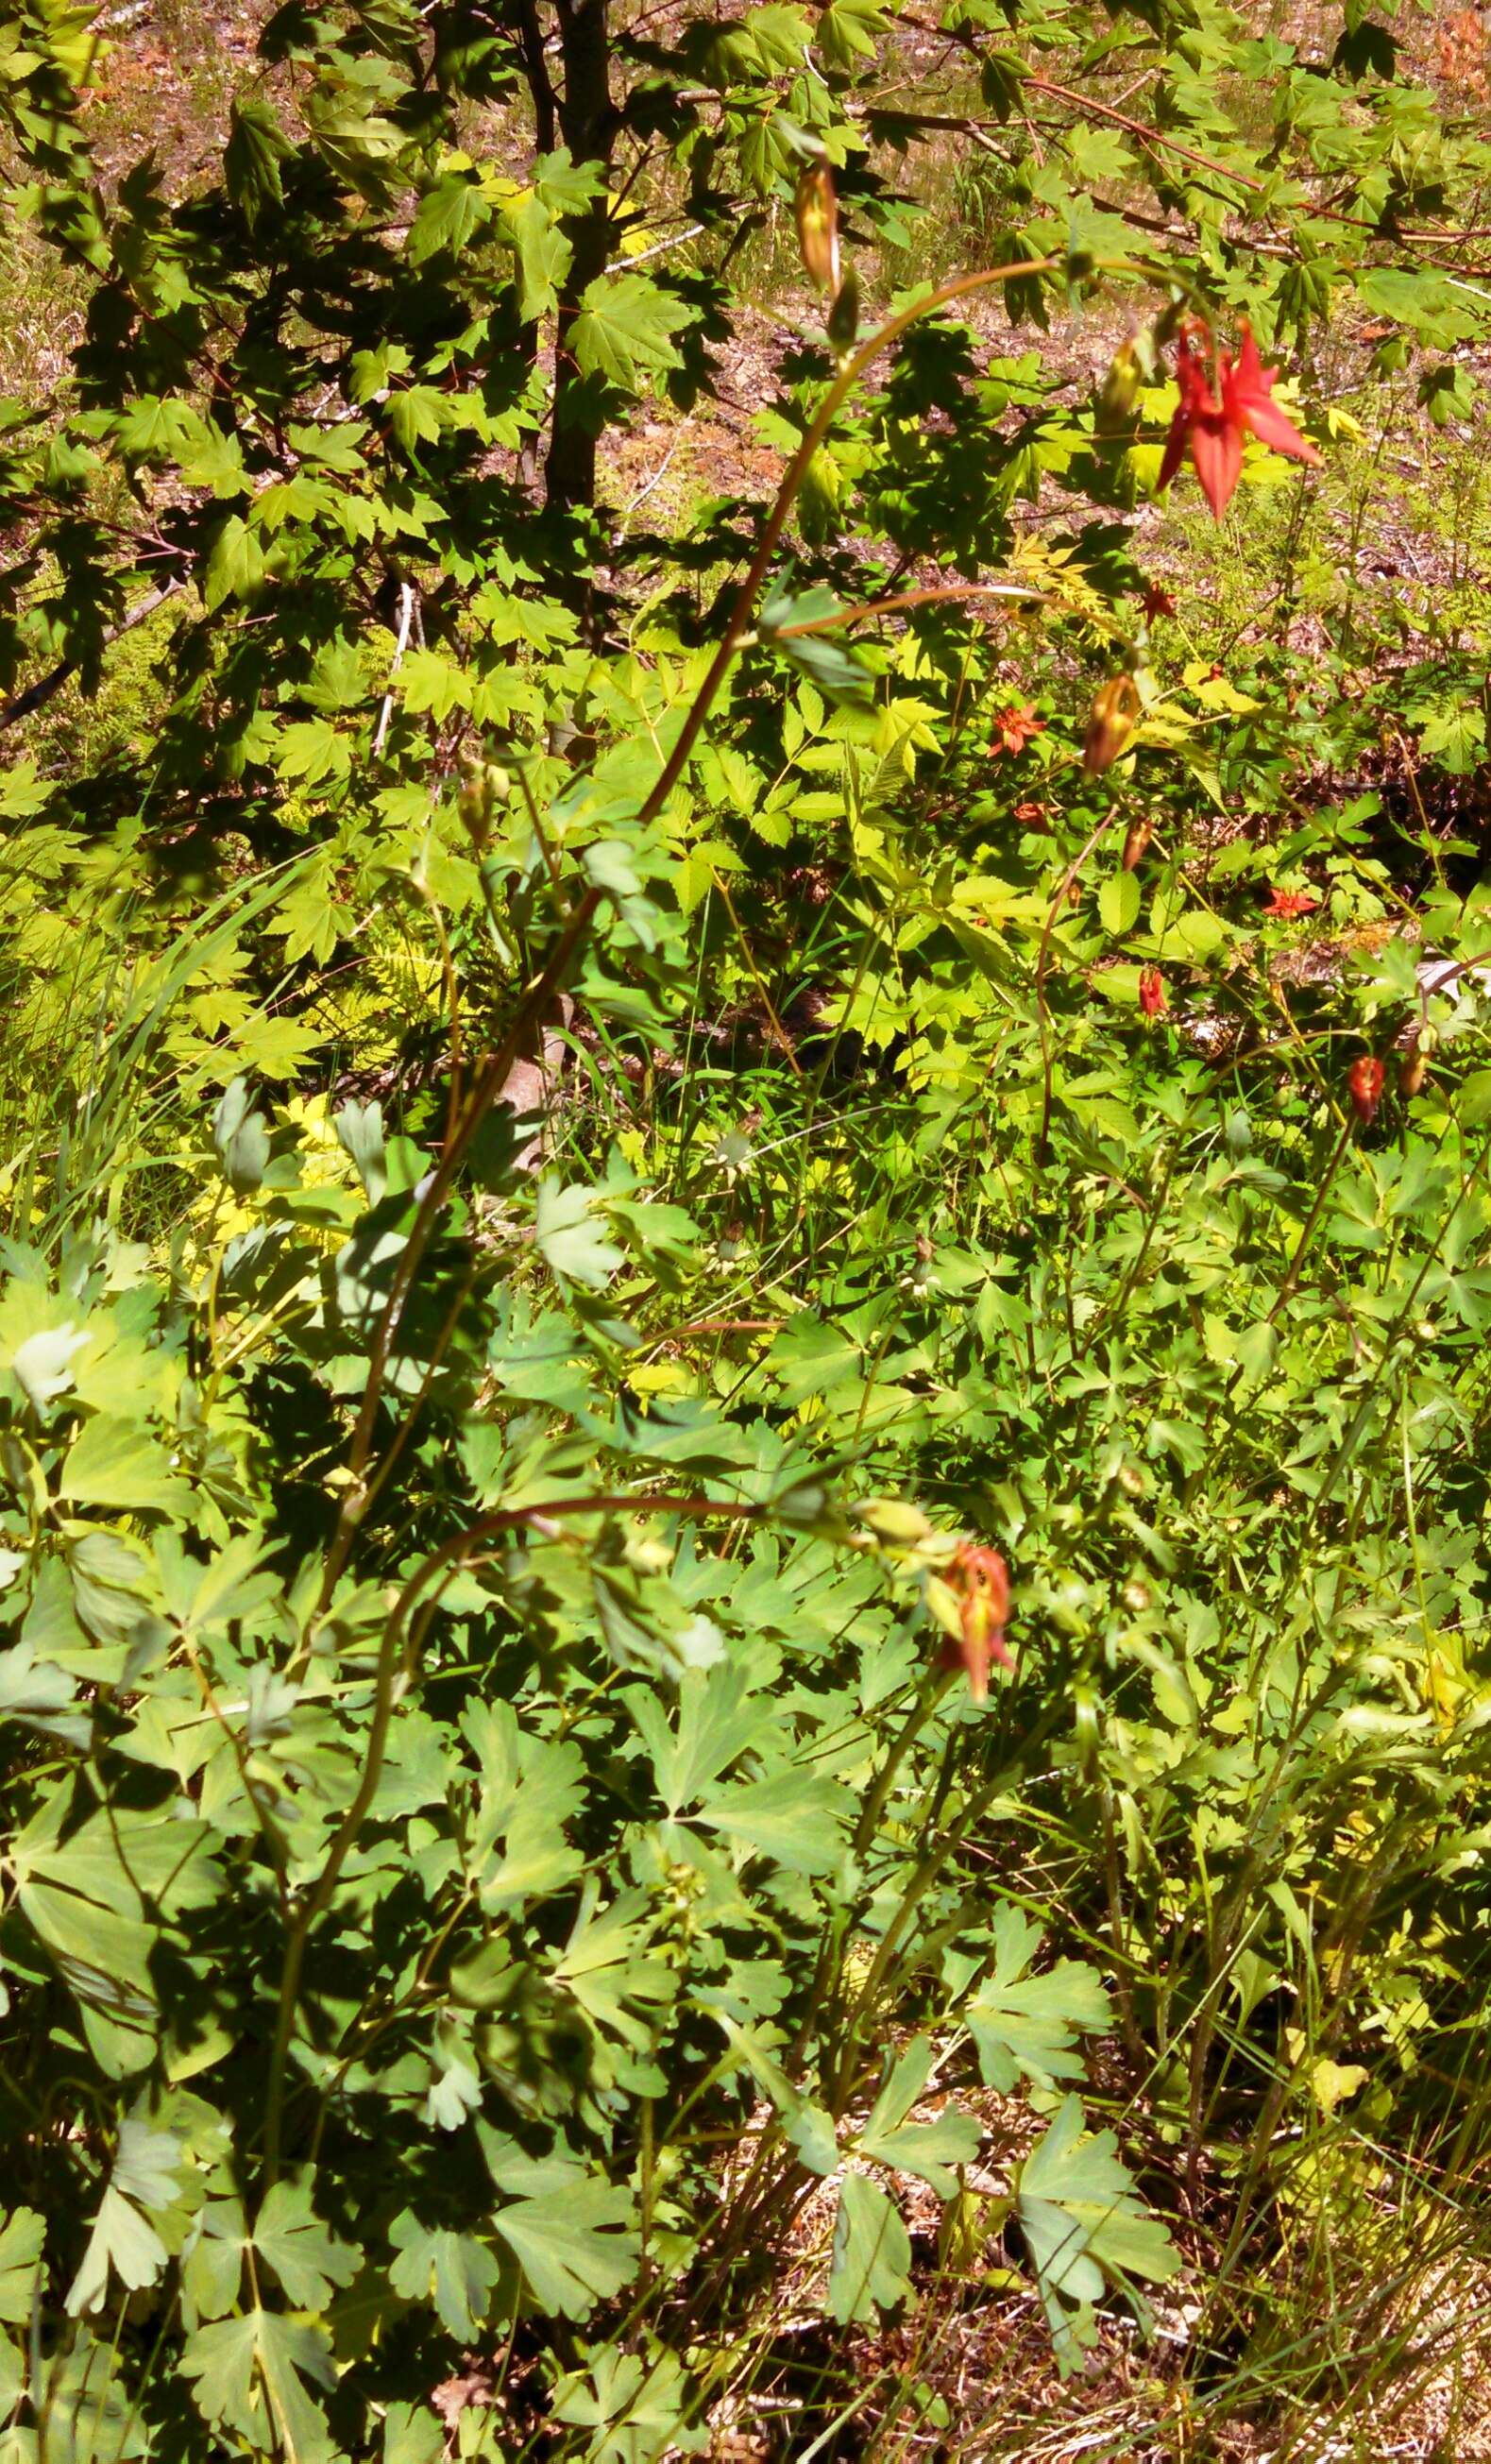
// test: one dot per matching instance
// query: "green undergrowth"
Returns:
(743, 1386)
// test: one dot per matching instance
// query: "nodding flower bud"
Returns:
(1413, 1070)
(1136, 838)
(817, 210)
(1111, 723)
(1151, 993)
(1122, 387)
(979, 1580)
(1365, 1085)
(843, 325)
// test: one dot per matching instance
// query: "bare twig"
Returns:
(37, 696)
(400, 645)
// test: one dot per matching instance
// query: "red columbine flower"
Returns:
(981, 1580)
(1365, 1085)
(1014, 728)
(1156, 602)
(1289, 903)
(1151, 993)
(1211, 426)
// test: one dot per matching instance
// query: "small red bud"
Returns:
(1151, 993)
(1365, 1085)
(982, 1580)
(1413, 1070)
(1111, 723)
(1136, 838)
(817, 210)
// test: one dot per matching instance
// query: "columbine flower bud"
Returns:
(1413, 1070)
(1122, 387)
(1151, 993)
(1136, 838)
(1111, 723)
(816, 208)
(844, 317)
(978, 1580)
(1365, 1085)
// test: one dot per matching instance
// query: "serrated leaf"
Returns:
(542, 250)
(625, 330)
(449, 214)
(1454, 737)
(1118, 903)
(257, 147)
(235, 565)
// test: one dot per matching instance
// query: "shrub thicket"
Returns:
(743, 1417)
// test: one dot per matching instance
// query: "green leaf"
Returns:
(715, 1723)
(1026, 2025)
(1085, 2225)
(625, 330)
(239, 2363)
(1475, 1098)
(257, 147)
(636, 2413)
(121, 2244)
(447, 216)
(796, 1818)
(307, 2259)
(544, 254)
(235, 566)
(1118, 903)
(927, 2149)
(824, 658)
(454, 2271)
(22, 2238)
(573, 2242)
(41, 1364)
(146, 2164)
(1454, 737)
(241, 1138)
(871, 2266)
(568, 1232)
(115, 1463)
